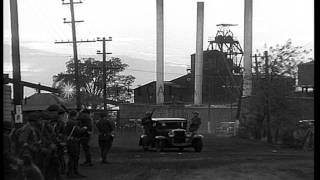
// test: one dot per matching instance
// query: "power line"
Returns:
(104, 53)
(75, 51)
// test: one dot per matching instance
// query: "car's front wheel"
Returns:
(160, 145)
(197, 145)
(144, 143)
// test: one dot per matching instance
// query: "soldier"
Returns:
(60, 139)
(195, 122)
(147, 124)
(73, 132)
(85, 121)
(30, 171)
(29, 137)
(55, 129)
(46, 147)
(105, 127)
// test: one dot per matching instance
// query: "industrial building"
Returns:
(306, 75)
(221, 80)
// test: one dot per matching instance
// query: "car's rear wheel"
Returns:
(197, 145)
(145, 148)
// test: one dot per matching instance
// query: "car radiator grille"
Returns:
(179, 137)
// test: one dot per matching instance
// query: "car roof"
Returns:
(168, 119)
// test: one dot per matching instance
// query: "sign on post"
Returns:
(18, 118)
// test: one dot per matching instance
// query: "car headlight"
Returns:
(170, 134)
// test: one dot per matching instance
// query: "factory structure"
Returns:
(215, 76)
(221, 78)
(222, 75)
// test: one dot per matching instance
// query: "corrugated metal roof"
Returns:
(41, 101)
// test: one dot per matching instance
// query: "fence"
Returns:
(212, 117)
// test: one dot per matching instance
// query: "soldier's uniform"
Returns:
(147, 124)
(29, 138)
(85, 121)
(58, 128)
(73, 133)
(57, 125)
(195, 122)
(48, 153)
(105, 128)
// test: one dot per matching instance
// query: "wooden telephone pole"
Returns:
(16, 72)
(104, 76)
(75, 51)
(267, 105)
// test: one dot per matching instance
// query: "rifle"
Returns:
(71, 133)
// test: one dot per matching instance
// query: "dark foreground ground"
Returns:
(221, 158)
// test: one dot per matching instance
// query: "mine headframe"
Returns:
(225, 42)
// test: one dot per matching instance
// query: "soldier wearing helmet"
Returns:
(147, 124)
(195, 122)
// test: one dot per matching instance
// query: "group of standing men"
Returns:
(41, 143)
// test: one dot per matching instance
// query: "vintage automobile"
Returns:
(171, 132)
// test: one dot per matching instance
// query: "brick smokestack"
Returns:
(160, 54)
(199, 55)
(247, 61)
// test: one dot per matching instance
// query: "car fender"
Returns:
(160, 137)
(196, 136)
(143, 136)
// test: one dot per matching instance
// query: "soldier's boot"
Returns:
(70, 172)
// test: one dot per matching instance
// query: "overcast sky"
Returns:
(132, 24)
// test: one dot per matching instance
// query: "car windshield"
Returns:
(171, 125)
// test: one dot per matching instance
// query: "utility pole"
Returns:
(15, 45)
(104, 76)
(75, 51)
(269, 137)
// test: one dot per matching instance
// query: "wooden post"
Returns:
(15, 45)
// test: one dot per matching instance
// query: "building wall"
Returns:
(146, 94)
(217, 83)
(215, 115)
(218, 87)
(306, 74)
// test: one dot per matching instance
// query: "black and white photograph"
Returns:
(158, 90)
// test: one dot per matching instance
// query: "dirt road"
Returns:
(221, 158)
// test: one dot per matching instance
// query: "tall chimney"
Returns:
(160, 54)
(199, 55)
(247, 77)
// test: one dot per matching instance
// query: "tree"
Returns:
(274, 82)
(91, 81)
